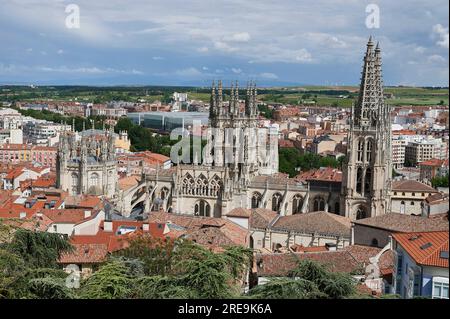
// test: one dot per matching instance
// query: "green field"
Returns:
(342, 96)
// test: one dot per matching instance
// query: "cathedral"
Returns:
(218, 185)
(238, 167)
(86, 163)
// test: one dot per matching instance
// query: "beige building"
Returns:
(398, 151)
(407, 196)
(421, 151)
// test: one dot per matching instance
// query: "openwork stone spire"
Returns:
(370, 109)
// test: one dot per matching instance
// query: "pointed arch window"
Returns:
(256, 200)
(202, 208)
(361, 213)
(201, 186)
(164, 194)
(214, 186)
(359, 177)
(368, 181)
(360, 151)
(319, 204)
(297, 204)
(188, 185)
(369, 150)
(276, 202)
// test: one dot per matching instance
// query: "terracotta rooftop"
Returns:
(404, 223)
(261, 218)
(328, 174)
(315, 222)
(411, 186)
(235, 233)
(348, 260)
(85, 253)
(426, 248)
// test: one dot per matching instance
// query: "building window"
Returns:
(360, 150)
(297, 204)
(374, 242)
(440, 288)
(361, 213)
(319, 204)
(276, 202)
(256, 200)
(402, 207)
(359, 180)
(94, 179)
(202, 208)
(367, 181)
(412, 203)
(369, 147)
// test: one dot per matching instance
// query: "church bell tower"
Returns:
(367, 174)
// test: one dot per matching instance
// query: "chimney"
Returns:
(331, 247)
(145, 227)
(22, 215)
(108, 226)
(87, 213)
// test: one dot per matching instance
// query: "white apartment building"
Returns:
(426, 149)
(398, 151)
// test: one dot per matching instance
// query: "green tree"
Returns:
(111, 281)
(39, 249)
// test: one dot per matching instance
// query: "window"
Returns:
(412, 203)
(367, 182)
(359, 180)
(402, 207)
(369, 147)
(297, 204)
(276, 202)
(94, 179)
(440, 288)
(361, 213)
(319, 204)
(256, 199)
(202, 208)
(374, 242)
(360, 150)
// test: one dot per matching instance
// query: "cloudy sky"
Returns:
(181, 42)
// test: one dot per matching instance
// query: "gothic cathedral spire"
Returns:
(367, 175)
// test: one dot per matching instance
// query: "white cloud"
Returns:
(238, 37)
(442, 34)
(435, 58)
(60, 51)
(236, 70)
(157, 58)
(222, 46)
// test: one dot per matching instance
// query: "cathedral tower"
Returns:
(367, 175)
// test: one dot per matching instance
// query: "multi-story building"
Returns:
(15, 153)
(44, 155)
(421, 264)
(424, 150)
(398, 151)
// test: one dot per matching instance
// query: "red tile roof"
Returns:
(411, 186)
(425, 247)
(327, 174)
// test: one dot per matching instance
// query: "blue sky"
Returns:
(180, 42)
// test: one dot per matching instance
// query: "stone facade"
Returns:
(367, 175)
(87, 164)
